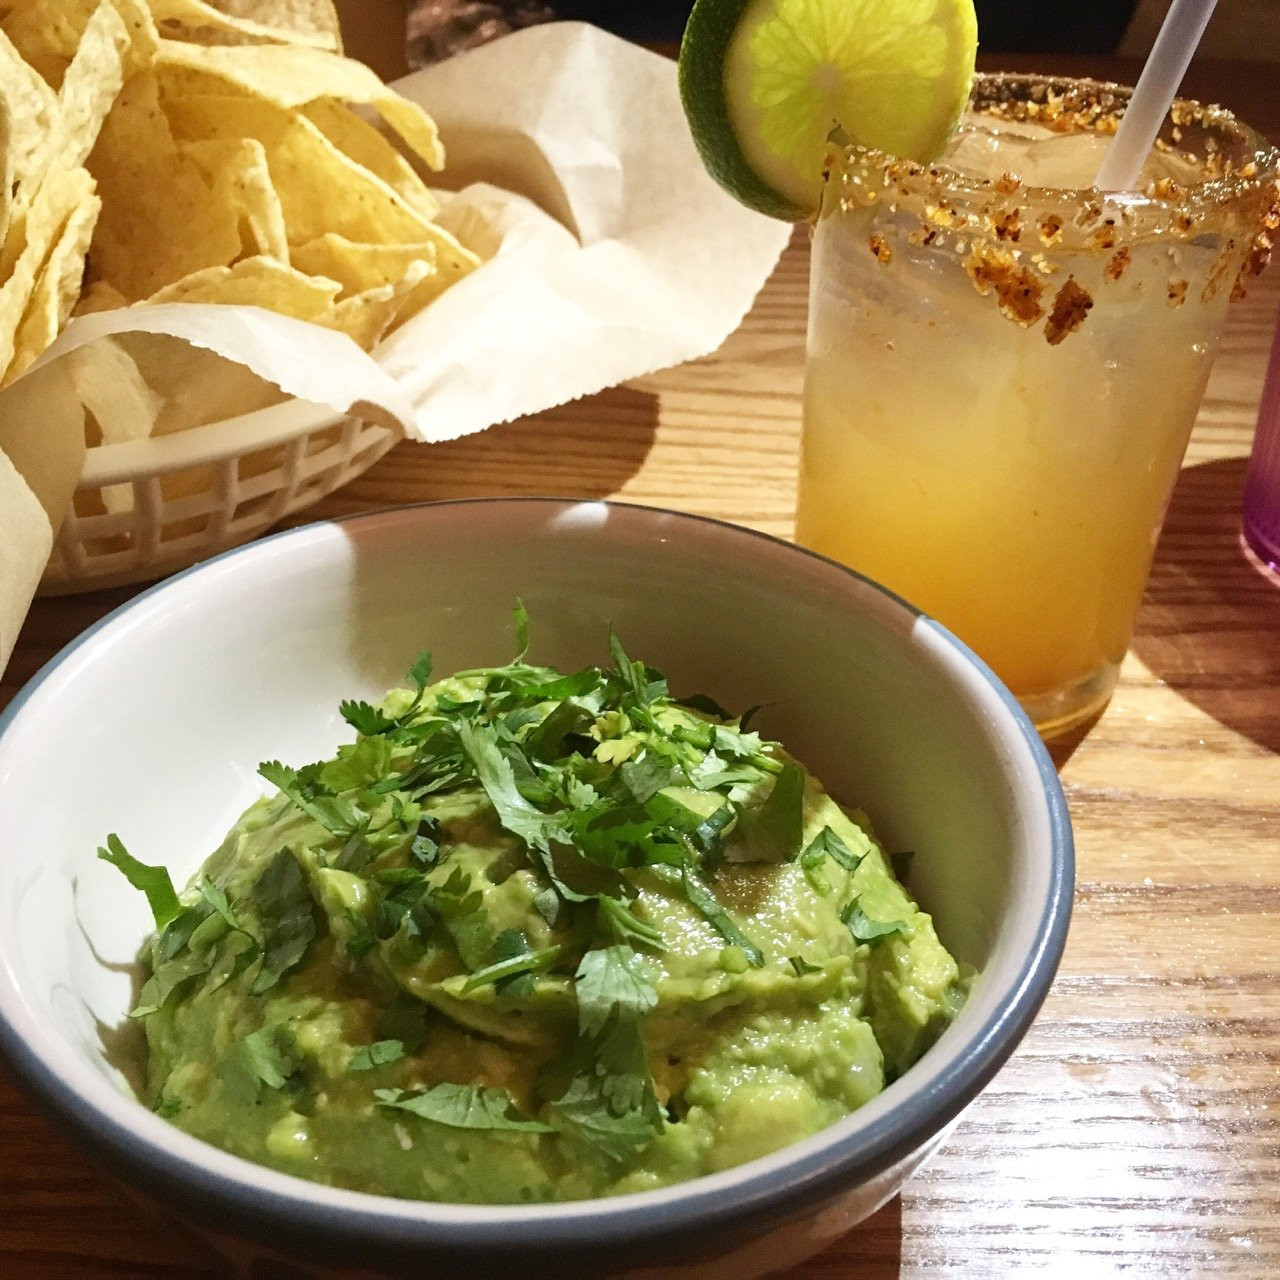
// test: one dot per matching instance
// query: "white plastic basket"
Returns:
(178, 499)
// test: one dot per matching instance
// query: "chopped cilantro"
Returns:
(611, 981)
(621, 924)
(494, 772)
(381, 1053)
(523, 963)
(266, 1058)
(826, 844)
(283, 905)
(461, 1106)
(772, 832)
(707, 705)
(708, 906)
(364, 719)
(152, 881)
(864, 929)
(331, 812)
(521, 615)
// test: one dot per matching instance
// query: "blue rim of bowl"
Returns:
(800, 1184)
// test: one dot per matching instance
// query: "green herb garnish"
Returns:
(381, 1053)
(461, 1106)
(153, 881)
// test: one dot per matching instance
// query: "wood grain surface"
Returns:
(1136, 1132)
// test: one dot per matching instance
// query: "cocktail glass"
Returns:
(1262, 485)
(1004, 365)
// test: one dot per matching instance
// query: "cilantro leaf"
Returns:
(618, 1131)
(284, 907)
(646, 775)
(521, 615)
(632, 673)
(867, 930)
(269, 1056)
(381, 1053)
(736, 744)
(611, 981)
(461, 1106)
(365, 719)
(610, 1100)
(358, 764)
(152, 881)
(420, 674)
(704, 703)
(623, 925)
(461, 906)
(167, 977)
(494, 772)
(709, 907)
(331, 812)
(527, 962)
(827, 844)
(772, 833)
(217, 899)
(266, 1058)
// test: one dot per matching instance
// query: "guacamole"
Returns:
(534, 937)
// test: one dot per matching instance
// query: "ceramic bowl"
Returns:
(152, 724)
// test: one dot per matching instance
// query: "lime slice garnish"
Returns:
(766, 82)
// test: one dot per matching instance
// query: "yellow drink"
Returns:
(1003, 458)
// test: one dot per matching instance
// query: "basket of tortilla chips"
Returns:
(230, 261)
(180, 151)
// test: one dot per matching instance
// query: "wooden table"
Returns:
(1136, 1131)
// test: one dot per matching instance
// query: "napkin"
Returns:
(609, 254)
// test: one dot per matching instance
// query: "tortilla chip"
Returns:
(113, 390)
(99, 296)
(26, 541)
(160, 218)
(358, 267)
(197, 386)
(371, 150)
(57, 289)
(62, 192)
(33, 107)
(368, 316)
(6, 164)
(309, 22)
(90, 86)
(289, 76)
(256, 282)
(237, 171)
(320, 188)
(49, 32)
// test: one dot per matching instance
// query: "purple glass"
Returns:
(1262, 487)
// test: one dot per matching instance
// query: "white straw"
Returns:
(1184, 24)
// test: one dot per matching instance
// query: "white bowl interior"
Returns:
(154, 726)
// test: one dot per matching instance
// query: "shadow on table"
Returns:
(587, 449)
(1210, 623)
(1063, 747)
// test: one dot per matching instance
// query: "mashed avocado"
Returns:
(534, 937)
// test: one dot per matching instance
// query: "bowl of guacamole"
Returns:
(577, 887)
